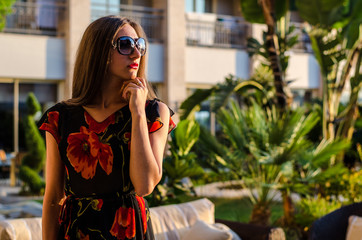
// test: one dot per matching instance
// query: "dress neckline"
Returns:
(100, 122)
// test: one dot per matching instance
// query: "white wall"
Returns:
(31, 57)
(155, 63)
(304, 70)
(211, 65)
(43, 57)
(257, 31)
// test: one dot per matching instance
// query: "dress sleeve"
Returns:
(154, 121)
(50, 122)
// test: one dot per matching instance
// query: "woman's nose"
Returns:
(136, 53)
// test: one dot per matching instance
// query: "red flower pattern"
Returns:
(52, 125)
(142, 206)
(154, 126)
(124, 224)
(88, 147)
(102, 151)
(65, 215)
(85, 150)
(96, 126)
(82, 236)
(97, 204)
(171, 125)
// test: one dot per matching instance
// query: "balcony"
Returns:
(212, 30)
(41, 18)
(149, 18)
(304, 43)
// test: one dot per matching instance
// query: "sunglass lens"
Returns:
(141, 46)
(125, 45)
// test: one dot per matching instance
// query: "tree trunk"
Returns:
(260, 214)
(288, 208)
(271, 43)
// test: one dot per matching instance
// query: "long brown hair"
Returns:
(93, 55)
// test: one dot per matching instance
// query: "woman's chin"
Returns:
(133, 76)
(127, 77)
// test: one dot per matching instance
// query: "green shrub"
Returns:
(31, 180)
(179, 165)
(32, 104)
(33, 161)
(310, 209)
(348, 185)
(35, 157)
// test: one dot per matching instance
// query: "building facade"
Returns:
(192, 44)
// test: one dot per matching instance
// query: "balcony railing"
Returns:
(304, 43)
(41, 18)
(149, 18)
(213, 30)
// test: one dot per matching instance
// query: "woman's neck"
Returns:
(110, 95)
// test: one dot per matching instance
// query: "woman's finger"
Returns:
(142, 82)
(139, 83)
(127, 91)
(129, 88)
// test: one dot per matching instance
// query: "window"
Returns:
(46, 94)
(102, 8)
(6, 113)
(203, 117)
(199, 6)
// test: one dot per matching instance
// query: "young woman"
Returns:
(105, 145)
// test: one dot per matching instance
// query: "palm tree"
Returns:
(336, 36)
(268, 12)
(232, 87)
(269, 152)
(180, 164)
(286, 40)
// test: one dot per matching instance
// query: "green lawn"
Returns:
(240, 209)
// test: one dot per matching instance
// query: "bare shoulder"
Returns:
(164, 110)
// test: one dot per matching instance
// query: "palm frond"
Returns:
(233, 125)
(223, 92)
(215, 152)
(186, 134)
(318, 12)
(192, 103)
(326, 150)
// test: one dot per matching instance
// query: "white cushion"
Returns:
(20, 229)
(354, 231)
(174, 221)
(201, 231)
(221, 226)
(168, 222)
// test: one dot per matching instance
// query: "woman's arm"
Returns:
(54, 189)
(147, 151)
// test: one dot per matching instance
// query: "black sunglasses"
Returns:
(125, 45)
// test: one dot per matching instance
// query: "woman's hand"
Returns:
(135, 92)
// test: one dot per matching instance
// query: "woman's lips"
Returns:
(133, 65)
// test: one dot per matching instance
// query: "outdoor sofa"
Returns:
(193, 220)
(343, 223)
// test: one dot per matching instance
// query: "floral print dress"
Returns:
(99, 202)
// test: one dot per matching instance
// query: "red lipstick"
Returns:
(133, 65)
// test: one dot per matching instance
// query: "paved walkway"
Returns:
(218, 189)
(223, 190)
(12, 205)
